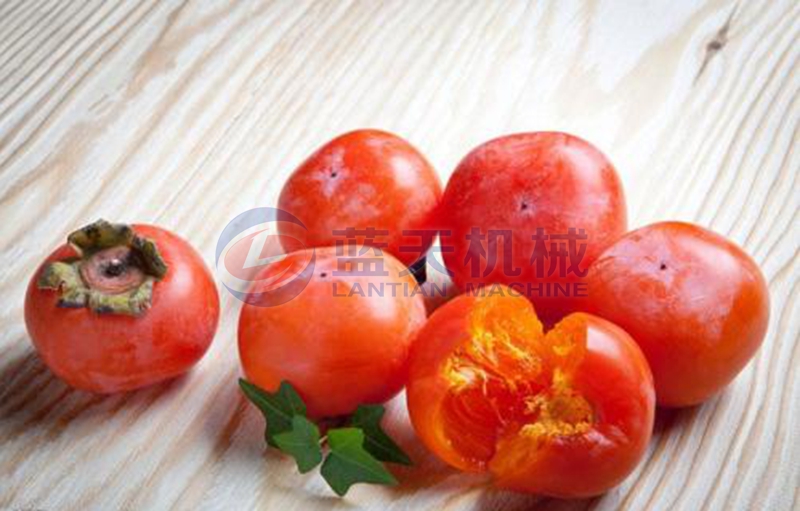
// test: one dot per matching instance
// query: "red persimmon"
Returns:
(364, 180)
(566, 413)
(121, 307)
(696, 304)
(526, 191)
(342, 341)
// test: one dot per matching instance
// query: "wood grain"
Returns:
(188, 113)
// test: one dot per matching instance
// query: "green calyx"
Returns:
(114, 272)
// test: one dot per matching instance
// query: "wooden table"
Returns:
(188, 113)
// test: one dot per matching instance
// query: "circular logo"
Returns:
(251, 257)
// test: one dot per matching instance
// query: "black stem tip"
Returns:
(419, 270)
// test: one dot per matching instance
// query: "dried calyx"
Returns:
(114, 272)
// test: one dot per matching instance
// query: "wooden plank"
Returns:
(188, 113)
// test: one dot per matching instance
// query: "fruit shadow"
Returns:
(236, 428)
(33, 399)
(669, 419)
(472, 491)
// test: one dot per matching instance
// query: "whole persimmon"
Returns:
(369, 186)
(121, 306)
(343, 340)
(532, 210)
(696, 304)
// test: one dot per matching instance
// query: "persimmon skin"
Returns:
(612, 375)
(696, 304)
(337, 348)
(364, 179)
(615, 378)
(524, 182)
(427, 388)
(107, 353)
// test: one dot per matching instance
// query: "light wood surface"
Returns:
(188, 113)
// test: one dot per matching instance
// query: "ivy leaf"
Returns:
(376, 441)
(349, 462)
(278, 407)
(355, 452)
(301, 443)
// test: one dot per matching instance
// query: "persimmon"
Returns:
(566, 412)
(532, 210)
(696, 304)
(368, 185)
(343, 340)
(121, 306)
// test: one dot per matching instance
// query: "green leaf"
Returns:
(355, 453)
(278, 407)
(301, 443)
(376, 441)
(349, 462)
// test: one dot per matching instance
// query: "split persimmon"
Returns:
(566, 413)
